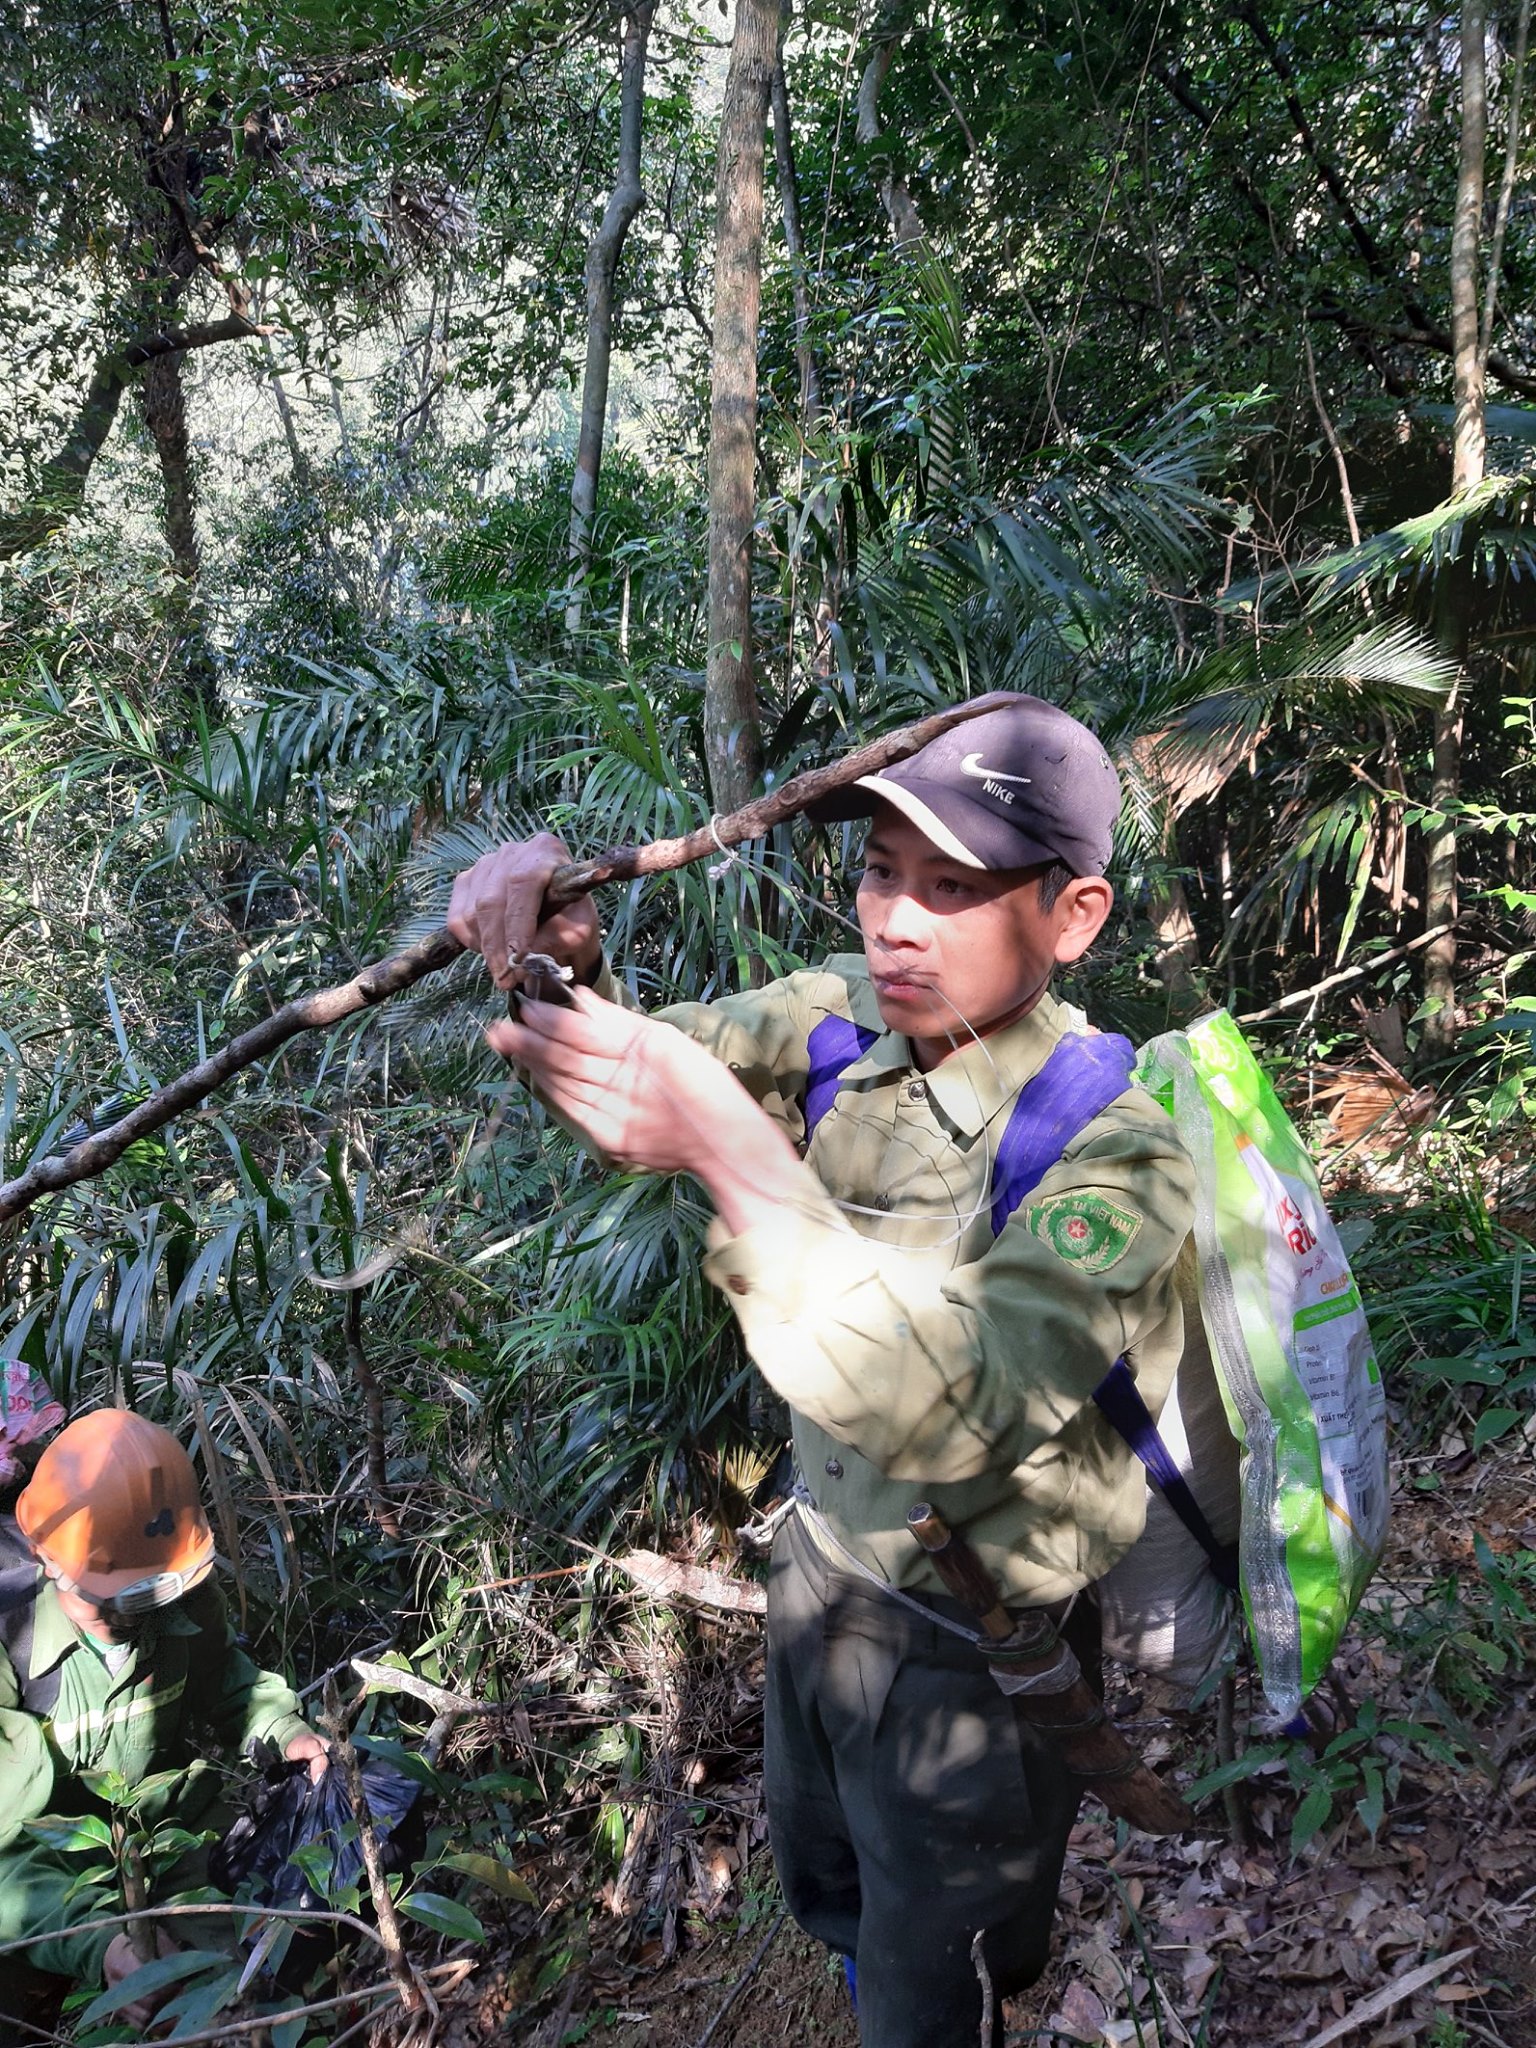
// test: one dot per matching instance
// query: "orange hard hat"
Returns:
(114, 1507)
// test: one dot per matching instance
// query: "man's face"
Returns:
(955, 950)
(87, 1616)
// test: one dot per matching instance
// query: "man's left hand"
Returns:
(310, 1749)
(642, 1093)
(647, 1097)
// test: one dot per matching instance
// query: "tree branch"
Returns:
(906, 223)
(601, 272)
(1422, 331)
(414, 1995)
(385, 1678)
(439, 949)
(1507, 182)
(61, 485)
(1325, 167)
(1300, 997)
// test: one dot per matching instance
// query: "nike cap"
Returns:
(1010, 789)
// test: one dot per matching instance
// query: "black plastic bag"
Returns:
(289, 1812)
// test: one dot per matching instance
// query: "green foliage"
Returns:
(1088, 438)
(1467, 1638)
(1359, 1768)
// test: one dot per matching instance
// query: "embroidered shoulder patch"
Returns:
(1086, 1229)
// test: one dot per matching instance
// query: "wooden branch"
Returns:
(61, 482)
(385, 1678)
(1302, 996)
(229, 1909)
(413, 1993)
(1389, 1995)
(667, 1578)
(310, 1013)
(745, 1978)
(439, 949)
(177, 340)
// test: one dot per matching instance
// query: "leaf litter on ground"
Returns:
(1424, 1932)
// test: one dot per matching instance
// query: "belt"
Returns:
(836, 1553)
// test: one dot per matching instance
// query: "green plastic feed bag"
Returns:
(1293, 1355)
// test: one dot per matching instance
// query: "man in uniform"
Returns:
(115, 1651)
(929, 1346)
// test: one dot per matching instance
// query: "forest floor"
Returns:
(1424, 1932)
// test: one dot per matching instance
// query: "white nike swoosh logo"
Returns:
(971, 765)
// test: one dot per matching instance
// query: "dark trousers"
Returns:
(909, 1805)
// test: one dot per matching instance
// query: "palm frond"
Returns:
(1490, 530)
(1189, 733)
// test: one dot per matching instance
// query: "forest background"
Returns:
(427, 420)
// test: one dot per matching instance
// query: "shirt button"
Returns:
(834, 1469)
(917, 1091)
(738, 1283)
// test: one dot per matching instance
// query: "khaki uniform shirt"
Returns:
(922, 1358)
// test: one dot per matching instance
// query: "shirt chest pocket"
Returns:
(120, 1725)
(881, 1151)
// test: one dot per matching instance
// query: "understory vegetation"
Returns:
(1119, 361)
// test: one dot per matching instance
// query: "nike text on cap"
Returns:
(1009, 789)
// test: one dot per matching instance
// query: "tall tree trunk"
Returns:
(1469, 455)
(1177, 958)
(61, 481)
(794, 238)
(603, 253)
(1454, 589)
(829, 601)
(1514, 96)
(733, 744)
(162, 394)
(164, 399)
(906, 223)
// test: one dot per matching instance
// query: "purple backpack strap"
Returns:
(1079, 1081)
(1123, 1407)
(833, 1046)
(1082, 1077)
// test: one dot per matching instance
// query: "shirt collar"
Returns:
(54, 1635)
(978, 1079)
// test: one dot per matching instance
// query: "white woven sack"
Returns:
(1164, 1610)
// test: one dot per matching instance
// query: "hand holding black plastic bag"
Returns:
(289, 1813)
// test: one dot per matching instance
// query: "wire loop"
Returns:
(732, 857)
